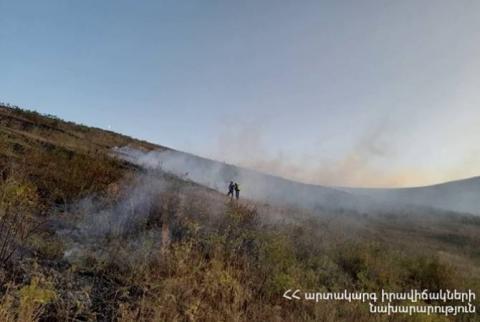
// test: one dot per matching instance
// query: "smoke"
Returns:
(271, 189)
(360, 164)
(135, 213)
(210, 174)
(253, 185)
(98, 221)
(149, 194)
(386, 154)
(132, 208)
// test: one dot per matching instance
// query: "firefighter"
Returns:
(231, 188)
(237, 190)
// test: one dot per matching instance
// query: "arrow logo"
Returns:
(293, 296)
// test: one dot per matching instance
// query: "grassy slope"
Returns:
(64, 160)
(192, 256)
(28, 128)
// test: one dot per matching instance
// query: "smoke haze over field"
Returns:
(458, 196)
(376, 158)
(253, 184)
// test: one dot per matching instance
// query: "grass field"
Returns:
(85, 236)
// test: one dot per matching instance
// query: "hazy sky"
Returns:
(365, 93)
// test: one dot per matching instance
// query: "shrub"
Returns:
(18, 203)
(27, 303)
(429, 273)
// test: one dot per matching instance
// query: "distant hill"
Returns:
(459, 196)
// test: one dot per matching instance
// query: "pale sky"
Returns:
(363, 93)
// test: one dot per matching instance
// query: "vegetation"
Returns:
(191, 255)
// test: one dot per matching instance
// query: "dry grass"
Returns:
(193, 256)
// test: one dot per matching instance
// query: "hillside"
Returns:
(459, 196)
(87, 235)
(23, 129)
(255, 185)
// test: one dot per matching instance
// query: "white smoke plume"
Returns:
(458, 196)
(253, 185)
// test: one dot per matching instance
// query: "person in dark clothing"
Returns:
(231, 188)
(237, 190)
